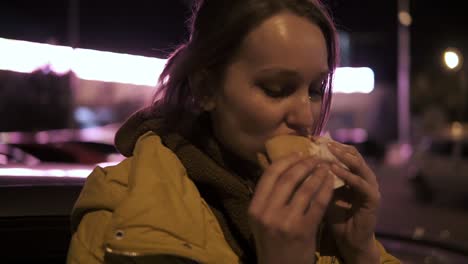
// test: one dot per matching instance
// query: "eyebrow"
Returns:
(290, 74)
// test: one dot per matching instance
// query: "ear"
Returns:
(201, 87)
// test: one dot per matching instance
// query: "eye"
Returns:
(277, 90)
(317, 90)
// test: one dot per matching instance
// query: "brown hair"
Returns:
(217, 30)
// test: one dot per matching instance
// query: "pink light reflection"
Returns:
(26, 57)
(115, 67)
(107, 164)
(52, 170)
(32, 172)
(354, 135)
(353, 80)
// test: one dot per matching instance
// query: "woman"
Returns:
(191, 190)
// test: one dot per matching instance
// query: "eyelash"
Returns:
(318, 91)
(283, 92)
(276, 93)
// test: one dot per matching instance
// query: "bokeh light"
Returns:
(452, 59)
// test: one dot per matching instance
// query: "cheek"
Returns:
(246, 122)
(258, 115)
(316, 109)
(246, 108)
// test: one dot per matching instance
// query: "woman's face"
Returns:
(272, 87)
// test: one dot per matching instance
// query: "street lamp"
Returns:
(453, 60)
(403, 71)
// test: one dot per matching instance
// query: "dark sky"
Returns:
(146, 26)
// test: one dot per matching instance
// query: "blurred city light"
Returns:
(54, 170)
(405, 18)
(352, 135)
(27, 57)
(27, 172)
(114, 67)
(456, 130)
(353, 80)
(452, 59)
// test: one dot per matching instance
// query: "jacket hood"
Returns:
(135, 209)
(134, 127)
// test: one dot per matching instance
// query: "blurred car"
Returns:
(13, 155)
(41, 175)
(73, 146)
(439, 165)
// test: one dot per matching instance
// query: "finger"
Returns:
(293, 180)
(268, 179)
(360, 167)
(319, 203)
(344, 148)
(307, 190)
(370, 192)
(344, 153)
(355, 162)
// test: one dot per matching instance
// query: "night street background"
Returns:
(154, 28)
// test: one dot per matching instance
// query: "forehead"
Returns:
(288, 41)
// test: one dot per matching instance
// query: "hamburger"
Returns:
(284, 145)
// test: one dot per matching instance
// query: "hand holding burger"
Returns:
(300, 185)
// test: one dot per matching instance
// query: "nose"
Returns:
(300, 117)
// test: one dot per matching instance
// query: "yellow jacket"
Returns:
(134, 211)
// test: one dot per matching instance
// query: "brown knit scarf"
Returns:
(226, 193)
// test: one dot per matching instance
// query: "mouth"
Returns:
(301, 133)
